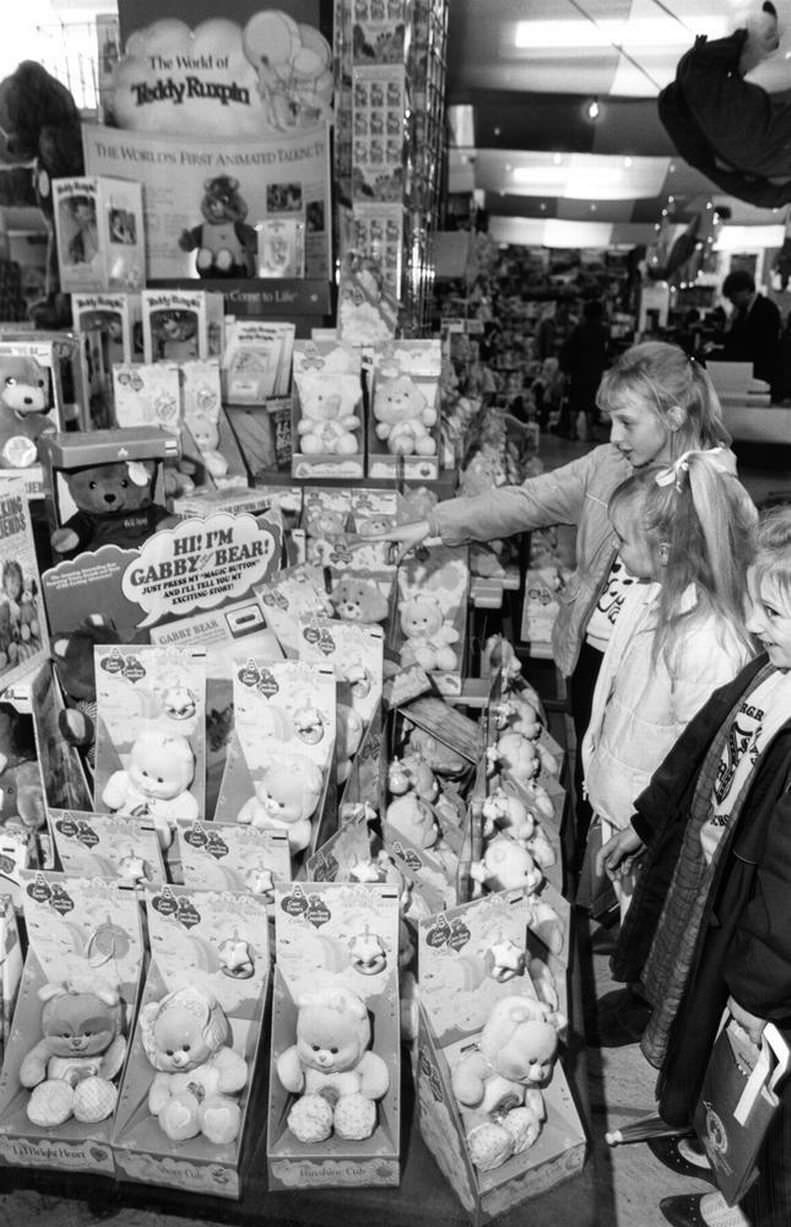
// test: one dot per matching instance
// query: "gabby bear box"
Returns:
(479, 1005)
(72, 1023)
(335, 1029)
(189, 1121)
(99, 234)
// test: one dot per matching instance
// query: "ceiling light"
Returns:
(593, 110)
(650, 32)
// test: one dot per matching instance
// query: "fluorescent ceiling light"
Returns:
(649, 32)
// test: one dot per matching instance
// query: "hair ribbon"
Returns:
(673, 473)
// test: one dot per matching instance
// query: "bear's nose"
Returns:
(28, 400)
(109, 498)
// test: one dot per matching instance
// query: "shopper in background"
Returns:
(660, 404)
(753, 332)
(687, 530)
(584, 357)
(710, 922)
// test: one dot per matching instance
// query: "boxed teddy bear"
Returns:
(207, 426)
(432, 614)
(328, 432)
(31, 406)
(233, 856)
(148, 394)
(190, 1085)
(99, 233)
(68, 1045)
(279, 768)
(334, 1087)
(102, 845)
(117, 317)
(402, 435)
(494, 1105)
(285, 598)
(23, 630)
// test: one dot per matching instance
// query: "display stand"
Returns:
(423, 1199)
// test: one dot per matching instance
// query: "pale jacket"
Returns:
(577, 493)
(640, 707)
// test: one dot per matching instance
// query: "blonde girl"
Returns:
(686, 529)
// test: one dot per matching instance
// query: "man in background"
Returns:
(754, 331)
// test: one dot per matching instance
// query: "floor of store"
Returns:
(629, 1180)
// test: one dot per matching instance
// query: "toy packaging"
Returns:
(62, 767)
(494, 1105)
(278, 773)
(344, 854)
(328, 423)
(148, 394)
(404, 410)
(72, 1022)
(187, 1090)
(31, 404)
(367, 307)
(281, 247)
(93, 381)
(117, 318)
(23, 629)
(207, 425)
(296, 591)
(181, 325)
(432, 614)
(151, 734)
(99, 233)
(100, 846)
(257, 360)
(223, 634)
(334, 1089)
(231, 856)
(10, 968)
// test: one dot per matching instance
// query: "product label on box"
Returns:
(57, 1153)
(301, 1174)
(216, 1178)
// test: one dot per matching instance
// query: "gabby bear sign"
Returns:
(224, 79)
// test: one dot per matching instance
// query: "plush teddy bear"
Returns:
(186, 1037)
(517, 715)
(156, 782)
(403, 416)
(332, 1069)
(359, 600)
(81, 1050)
(504, 812)
(73, 659)
(206, 434)
(497, 1084)
(287, 793)
(427, 634)
(506, 865)
(115, 506)
(24, 410)
(412, 771)
(226, 245)
(328, 420)
(413, 819)
(517, 755)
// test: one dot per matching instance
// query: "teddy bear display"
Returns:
(412, 772)
(75, 669)
(427, 635)
(497, 1084)
(506, 865)
(359, 600)
(517, 755)
(226, 245)
(287, 794)
(328, 422)
(403, 417)
(413, 819)
(72, 1067)
(504, 812)
(332, 1070)
(115, 506)
(187, 1038)
(24, 410)
(205, 432)
(156, 782)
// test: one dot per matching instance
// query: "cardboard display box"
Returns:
(99, 233)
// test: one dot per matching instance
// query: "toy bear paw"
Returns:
(523, 1126)
(220, 1119)
(205, 258)
(490, 1145)
(51, 1104)
(179, 1118)
(64, 540)
(94, 1100)
(310, 1119)
(355, 1117)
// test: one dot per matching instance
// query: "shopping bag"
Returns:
(737, 1102)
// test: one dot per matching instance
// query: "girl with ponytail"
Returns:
(687, 529)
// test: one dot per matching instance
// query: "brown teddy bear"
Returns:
(359, 600)
(115, 506)
(225, 244)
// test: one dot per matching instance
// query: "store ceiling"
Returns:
(520, 75)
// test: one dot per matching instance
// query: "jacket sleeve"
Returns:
(758, 964)
(557, 497)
